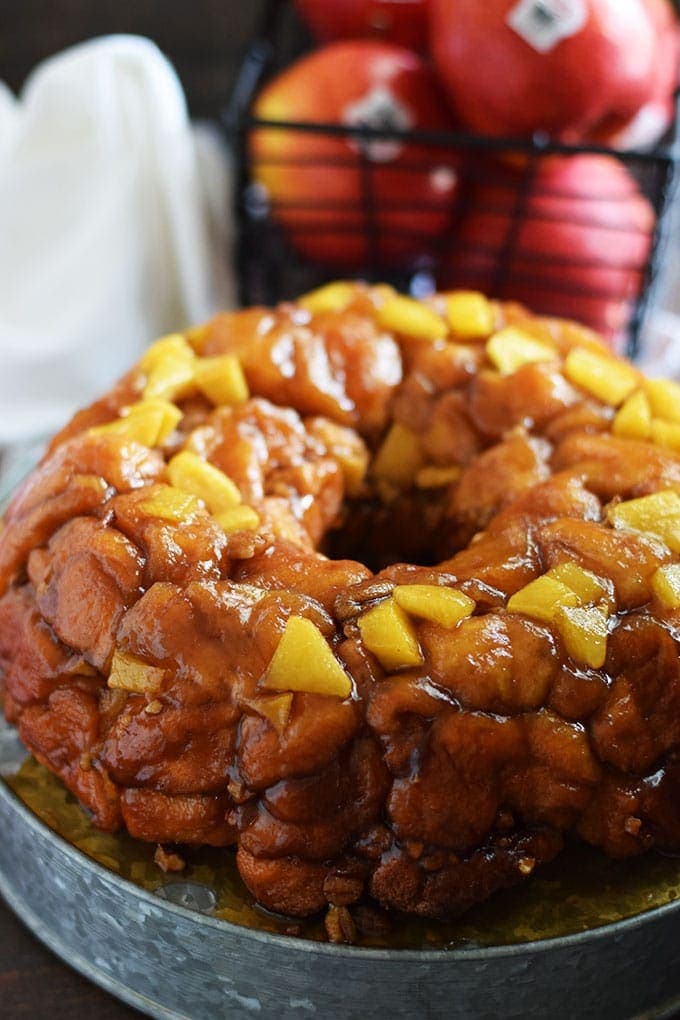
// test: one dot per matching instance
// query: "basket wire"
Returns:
(271, 268)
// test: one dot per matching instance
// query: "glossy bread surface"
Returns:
(383, 593)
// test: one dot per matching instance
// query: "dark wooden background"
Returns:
(205, 40)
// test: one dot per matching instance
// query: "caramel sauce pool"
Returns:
(581, 890)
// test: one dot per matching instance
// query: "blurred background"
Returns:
(204, 39)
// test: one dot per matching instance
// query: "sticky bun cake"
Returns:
(384, 593)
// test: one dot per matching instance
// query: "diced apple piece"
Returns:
(433, 477)
(511, 348)
(173, 379)
(169, 365)
(584, 632)
(174, 345)
(666, 434)
(303, 661)
(168, 415)
(131, 674)
(148, 422)
(333, 297)
(664, 398)
(354, 465)
(190, 473)
(222, 381)
(585, 584)
(171, 504)
(387, 632)
(542, 599)
(471, 316)
(606, 378)
(196, 336)
(444, 606)
(666, 585)
(162, 417)
(275, 708)
(658, 515)
(411, 318)
(238, 518)
(634, 420)
(399, 458)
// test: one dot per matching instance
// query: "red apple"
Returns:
(578, 250)
(399, 21)
(658, 111)
(342, 200)
(576, 69)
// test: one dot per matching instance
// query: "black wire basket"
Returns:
(503, 250)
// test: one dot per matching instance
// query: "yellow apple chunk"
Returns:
(222, 380)
(586, 585)
(174, 345)
(634, 420)
(606, 378)
(354, 465)
(238, 518)
(131, 674)
(411, 318)
(196, 336)
(303, 661)
(399, 458)
(471, 316)
(657, 515)
(666, 585)
(511, 348)
(149, 422)
(444, 606)
(666, 434)
(275, 709)
(584, 632)
(169, 365)
(333, 297)
(190, 473)
(387, 632)
(171, 504)
(433, 477)
(664, 398)
(542, 599)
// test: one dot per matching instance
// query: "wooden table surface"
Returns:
(35, 985)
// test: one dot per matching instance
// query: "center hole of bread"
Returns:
(412, 528)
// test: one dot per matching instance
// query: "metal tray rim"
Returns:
(613, 930)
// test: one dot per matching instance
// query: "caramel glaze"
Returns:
(429, 789)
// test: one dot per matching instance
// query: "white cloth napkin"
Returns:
(114, 226)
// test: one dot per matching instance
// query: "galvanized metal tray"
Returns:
(166, 955)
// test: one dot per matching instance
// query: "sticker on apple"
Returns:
(379, 109)
(545, 23)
